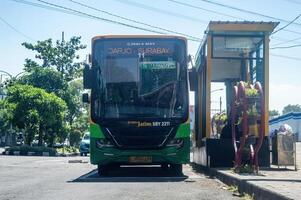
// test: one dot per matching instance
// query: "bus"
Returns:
(138, 101)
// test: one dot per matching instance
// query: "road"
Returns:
(61, 179)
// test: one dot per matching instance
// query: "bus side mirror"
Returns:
(88, 77)
(192, 79)
(85, 98)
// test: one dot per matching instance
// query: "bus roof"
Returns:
(138, 36)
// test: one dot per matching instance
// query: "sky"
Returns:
(21, 22)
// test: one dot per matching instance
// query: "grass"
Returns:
(67, 149)
(233, 188)
(244, 196)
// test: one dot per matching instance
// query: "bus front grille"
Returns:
(140, 138)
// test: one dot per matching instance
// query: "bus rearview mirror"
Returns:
(88, 77)
(192, 79)
(85, 98)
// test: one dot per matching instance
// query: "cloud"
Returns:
(284, 94)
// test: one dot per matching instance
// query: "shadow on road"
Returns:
(132, 174)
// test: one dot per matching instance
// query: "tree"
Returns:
(36, 111)
(46, 78)
(274, 113)
(57, 71)
(74, 137)
(61, 56)
(6, 116)
(51, 81)
(291, 108)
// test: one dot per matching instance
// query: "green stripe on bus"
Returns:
(183, 130)
(95, 131)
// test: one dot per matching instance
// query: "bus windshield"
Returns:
(142, 78)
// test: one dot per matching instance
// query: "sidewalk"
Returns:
(271, 183)
(1, 150)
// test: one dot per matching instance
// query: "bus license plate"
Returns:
(140, 159)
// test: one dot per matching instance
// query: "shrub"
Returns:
(74, 137)
(25, 149)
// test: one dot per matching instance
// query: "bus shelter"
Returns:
(230, 52)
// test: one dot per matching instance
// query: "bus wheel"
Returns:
(177, 169)
(164, 167)
(102, 170)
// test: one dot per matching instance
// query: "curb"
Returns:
(245, 186)
(41, 154)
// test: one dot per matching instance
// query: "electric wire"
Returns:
(240, 18)
(282, 28)
(83, 14)
(292, 1)
(286, 57)
(16, 30)
(80, 13)
(131, 20)
(113, 21)
(46, 7)
(286, 47)
(71, 11)
(247, 11)
(161, 11)
(204, 9)
(287, 41)
(254, 13)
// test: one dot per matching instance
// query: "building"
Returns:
(293, 119)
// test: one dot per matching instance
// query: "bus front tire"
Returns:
(164, 167)
(177, 168)
(102, 170)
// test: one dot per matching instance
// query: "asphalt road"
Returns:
(52, 178)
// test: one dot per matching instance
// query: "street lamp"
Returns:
(220, 89)
(220, 98)
(11, 77)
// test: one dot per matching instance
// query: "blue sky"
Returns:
(39, 24)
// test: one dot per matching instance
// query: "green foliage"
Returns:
(291, 108)
(57, 71)
(61, 55)
(6, 115)
(26, 148)
(252, 112)
(233, 188)
(74, 137)
(46, 101)
(65, 150)
(72, 97)
(250, 92)
(45, 78)
(274, 113)
(35, 110)
(63, 133)
(246, 196)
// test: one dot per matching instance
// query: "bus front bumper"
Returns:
(111, 155)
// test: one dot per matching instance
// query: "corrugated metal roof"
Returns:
(256, 26)
(291, 115)
(242, 22)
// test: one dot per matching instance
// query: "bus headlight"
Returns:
(177, 142)
(101, 143)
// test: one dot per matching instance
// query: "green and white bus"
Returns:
(138, 101)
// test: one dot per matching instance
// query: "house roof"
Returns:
(291, 115)
(241, 26)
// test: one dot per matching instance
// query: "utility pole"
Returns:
(63, 36)
(220, 104)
